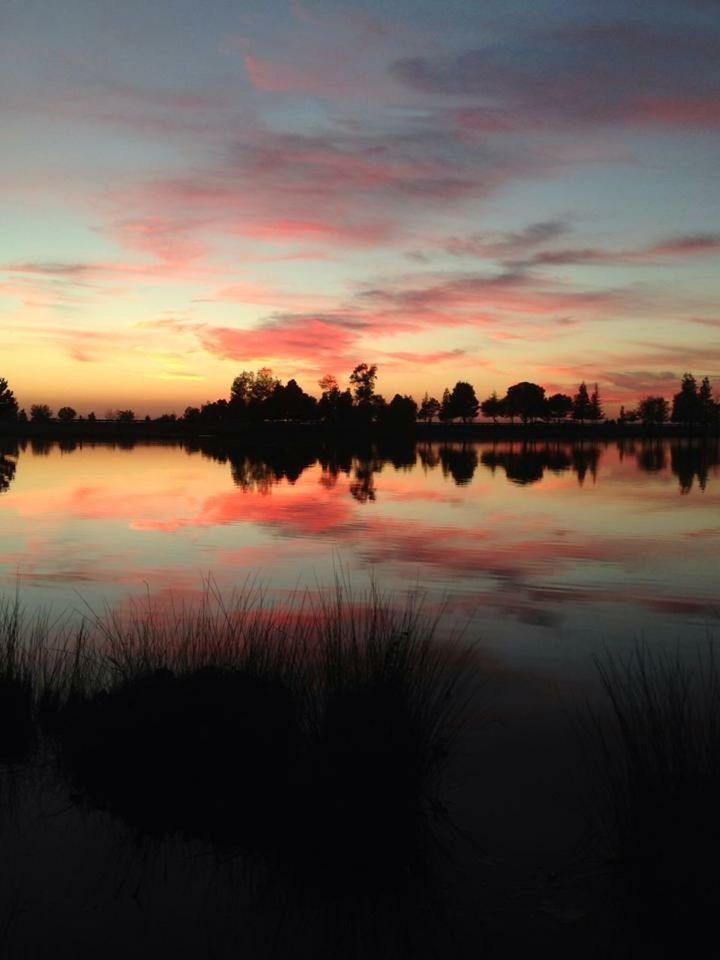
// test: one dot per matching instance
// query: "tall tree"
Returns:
(581, 404)
(596, 410)
(706, 404)
(362, 380)
(8, 403)
(686, 403)
(446, 412)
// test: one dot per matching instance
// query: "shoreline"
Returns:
(268, 431)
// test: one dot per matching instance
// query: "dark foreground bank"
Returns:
(339, 781)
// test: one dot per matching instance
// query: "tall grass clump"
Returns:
(316, 732)
(660, 759)
(19, 656)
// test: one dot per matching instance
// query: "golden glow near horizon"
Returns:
(189, 193)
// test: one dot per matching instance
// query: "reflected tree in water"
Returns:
(362, 487)
(428, 456)
(459, 462)
(651, 457)
(690, 462)
(585, 459)
(8, 465)
(527, 464)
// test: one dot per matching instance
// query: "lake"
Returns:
(545, 552)
(542, 554)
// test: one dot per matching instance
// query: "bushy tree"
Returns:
(290, 402)
(40, 413)
(250, 391)
(400, 413)
(527, 400)
(8, 403)
(362, 381)
(462, 402)
(653, 410)
(334, 405)
(429, 408)
(67, 414)
(492, 407)
(559, 406)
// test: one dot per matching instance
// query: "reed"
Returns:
(315, 732)
(659, 752)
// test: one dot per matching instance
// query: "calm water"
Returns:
(546, 551)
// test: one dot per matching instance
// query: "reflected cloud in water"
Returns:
(541, 537)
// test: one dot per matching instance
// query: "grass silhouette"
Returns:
(315, 734)
(660, 760)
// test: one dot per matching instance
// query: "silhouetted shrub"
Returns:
(205, 754)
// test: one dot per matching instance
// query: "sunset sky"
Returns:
(486, 191)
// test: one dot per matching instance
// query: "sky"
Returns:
(484, 191)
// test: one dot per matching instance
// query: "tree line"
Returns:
(259, 396)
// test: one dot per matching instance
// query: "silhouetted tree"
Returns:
(289, 402)
(362, 380)
(40, 413)
(706, 403)
(216, 410)
(8, 403)
(559, 406)
(492, 407)
(249, 392)
(582, 408)
(596, 410)
(124, 416)
(334, 405)
(67, 414)
(527, 400)
(91, 417)
(653, 410)
(429, 408)
(462, 402)
(686, 403)
(399, 414)
(445, 413)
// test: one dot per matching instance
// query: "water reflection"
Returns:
(9, 451)
(693, 461)
(526, 533)
(460, 463)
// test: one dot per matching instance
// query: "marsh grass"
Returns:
(315, 733)
(659, 753)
